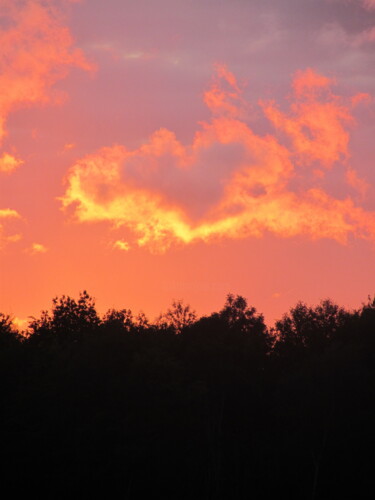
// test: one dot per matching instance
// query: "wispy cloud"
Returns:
(122, 245)
(38, 248)
(5, 215)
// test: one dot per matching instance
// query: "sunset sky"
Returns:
(154, 150)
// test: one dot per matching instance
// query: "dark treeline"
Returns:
(218, 407)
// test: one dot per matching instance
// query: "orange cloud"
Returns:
(307, 83)
(8, 163)
(224, 95)
(7, 213)
(36, 51)
(361, 97)
(317, 120)
(360, 185)
(230, 182)
(38, 248)
(122, 245)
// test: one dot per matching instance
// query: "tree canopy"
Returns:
(219, 406)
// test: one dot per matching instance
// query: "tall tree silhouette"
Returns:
(68, 320)
(178, 317)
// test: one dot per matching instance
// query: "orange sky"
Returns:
(165, 151)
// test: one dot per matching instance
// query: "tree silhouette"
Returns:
(238, 315)
(224, 409)
(8, 336)
(309, 328)
(120, 320)
(178, 317)
(69, 319)
(368, 311)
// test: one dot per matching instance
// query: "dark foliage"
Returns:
(218, 407)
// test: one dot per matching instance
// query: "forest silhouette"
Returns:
(216, 407)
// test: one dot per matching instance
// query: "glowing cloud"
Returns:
(230, 182)
(7, 213)
(122, 245)
(8, 163)
(37, 248)
(36, 51)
